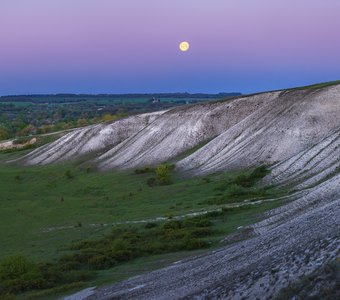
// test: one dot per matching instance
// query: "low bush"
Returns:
(163, 173)
(201, 232)
(250, 179)
(193, 243)
(14, 267)
(144, 170)
(102, 262)
(69, 175)
(17, 274)
(123, 255)
(150, 225)
(151, 182)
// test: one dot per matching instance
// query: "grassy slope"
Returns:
(42, 211)
(37, 199)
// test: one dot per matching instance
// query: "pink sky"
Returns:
(132, 45)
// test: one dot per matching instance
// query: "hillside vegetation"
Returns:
(78, 221)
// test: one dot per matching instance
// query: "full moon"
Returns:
(184, 46)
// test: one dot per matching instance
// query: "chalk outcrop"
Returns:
(285, 129)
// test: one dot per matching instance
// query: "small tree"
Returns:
(82, 122)
(29, 129)
(163, 173)
(3, 133)
(108, 117)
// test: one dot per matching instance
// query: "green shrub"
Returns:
(81, 257)
(206, 180)
(151, 182)
(163, 173)
(14, 267)
(193, 244)
(102, 262)
(200, 221)
(122, 244)
(201, 232)
(69, 175)
(173, 225)
(249, 180)
(83, 245)
(144, 170)
(150, 225)
(122, 255)
(52, 273)
(17, 274)
(237, 190)
(71, 265)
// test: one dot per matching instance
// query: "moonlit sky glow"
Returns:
(126, 46)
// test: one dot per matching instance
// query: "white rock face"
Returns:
(273, 128)
(310, 166)
(179, 130)
(289, 124)
(89, 140)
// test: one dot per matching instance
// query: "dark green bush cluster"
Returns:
(241, 183)
(151, 182)
(237, 193)
(144, 170)
(125, 244)
(69, 175)
(17, 274)
(242, 187)
(150, 225)
(249, 180)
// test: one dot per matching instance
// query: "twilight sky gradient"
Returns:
(120, 46)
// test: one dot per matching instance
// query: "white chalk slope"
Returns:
(297, 132)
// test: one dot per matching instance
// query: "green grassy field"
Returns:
(44, 210)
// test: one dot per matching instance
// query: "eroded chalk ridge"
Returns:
(267, 128)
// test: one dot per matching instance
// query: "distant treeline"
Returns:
(63, 98)
(27, 115)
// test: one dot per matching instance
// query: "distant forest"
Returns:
(26, 115)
